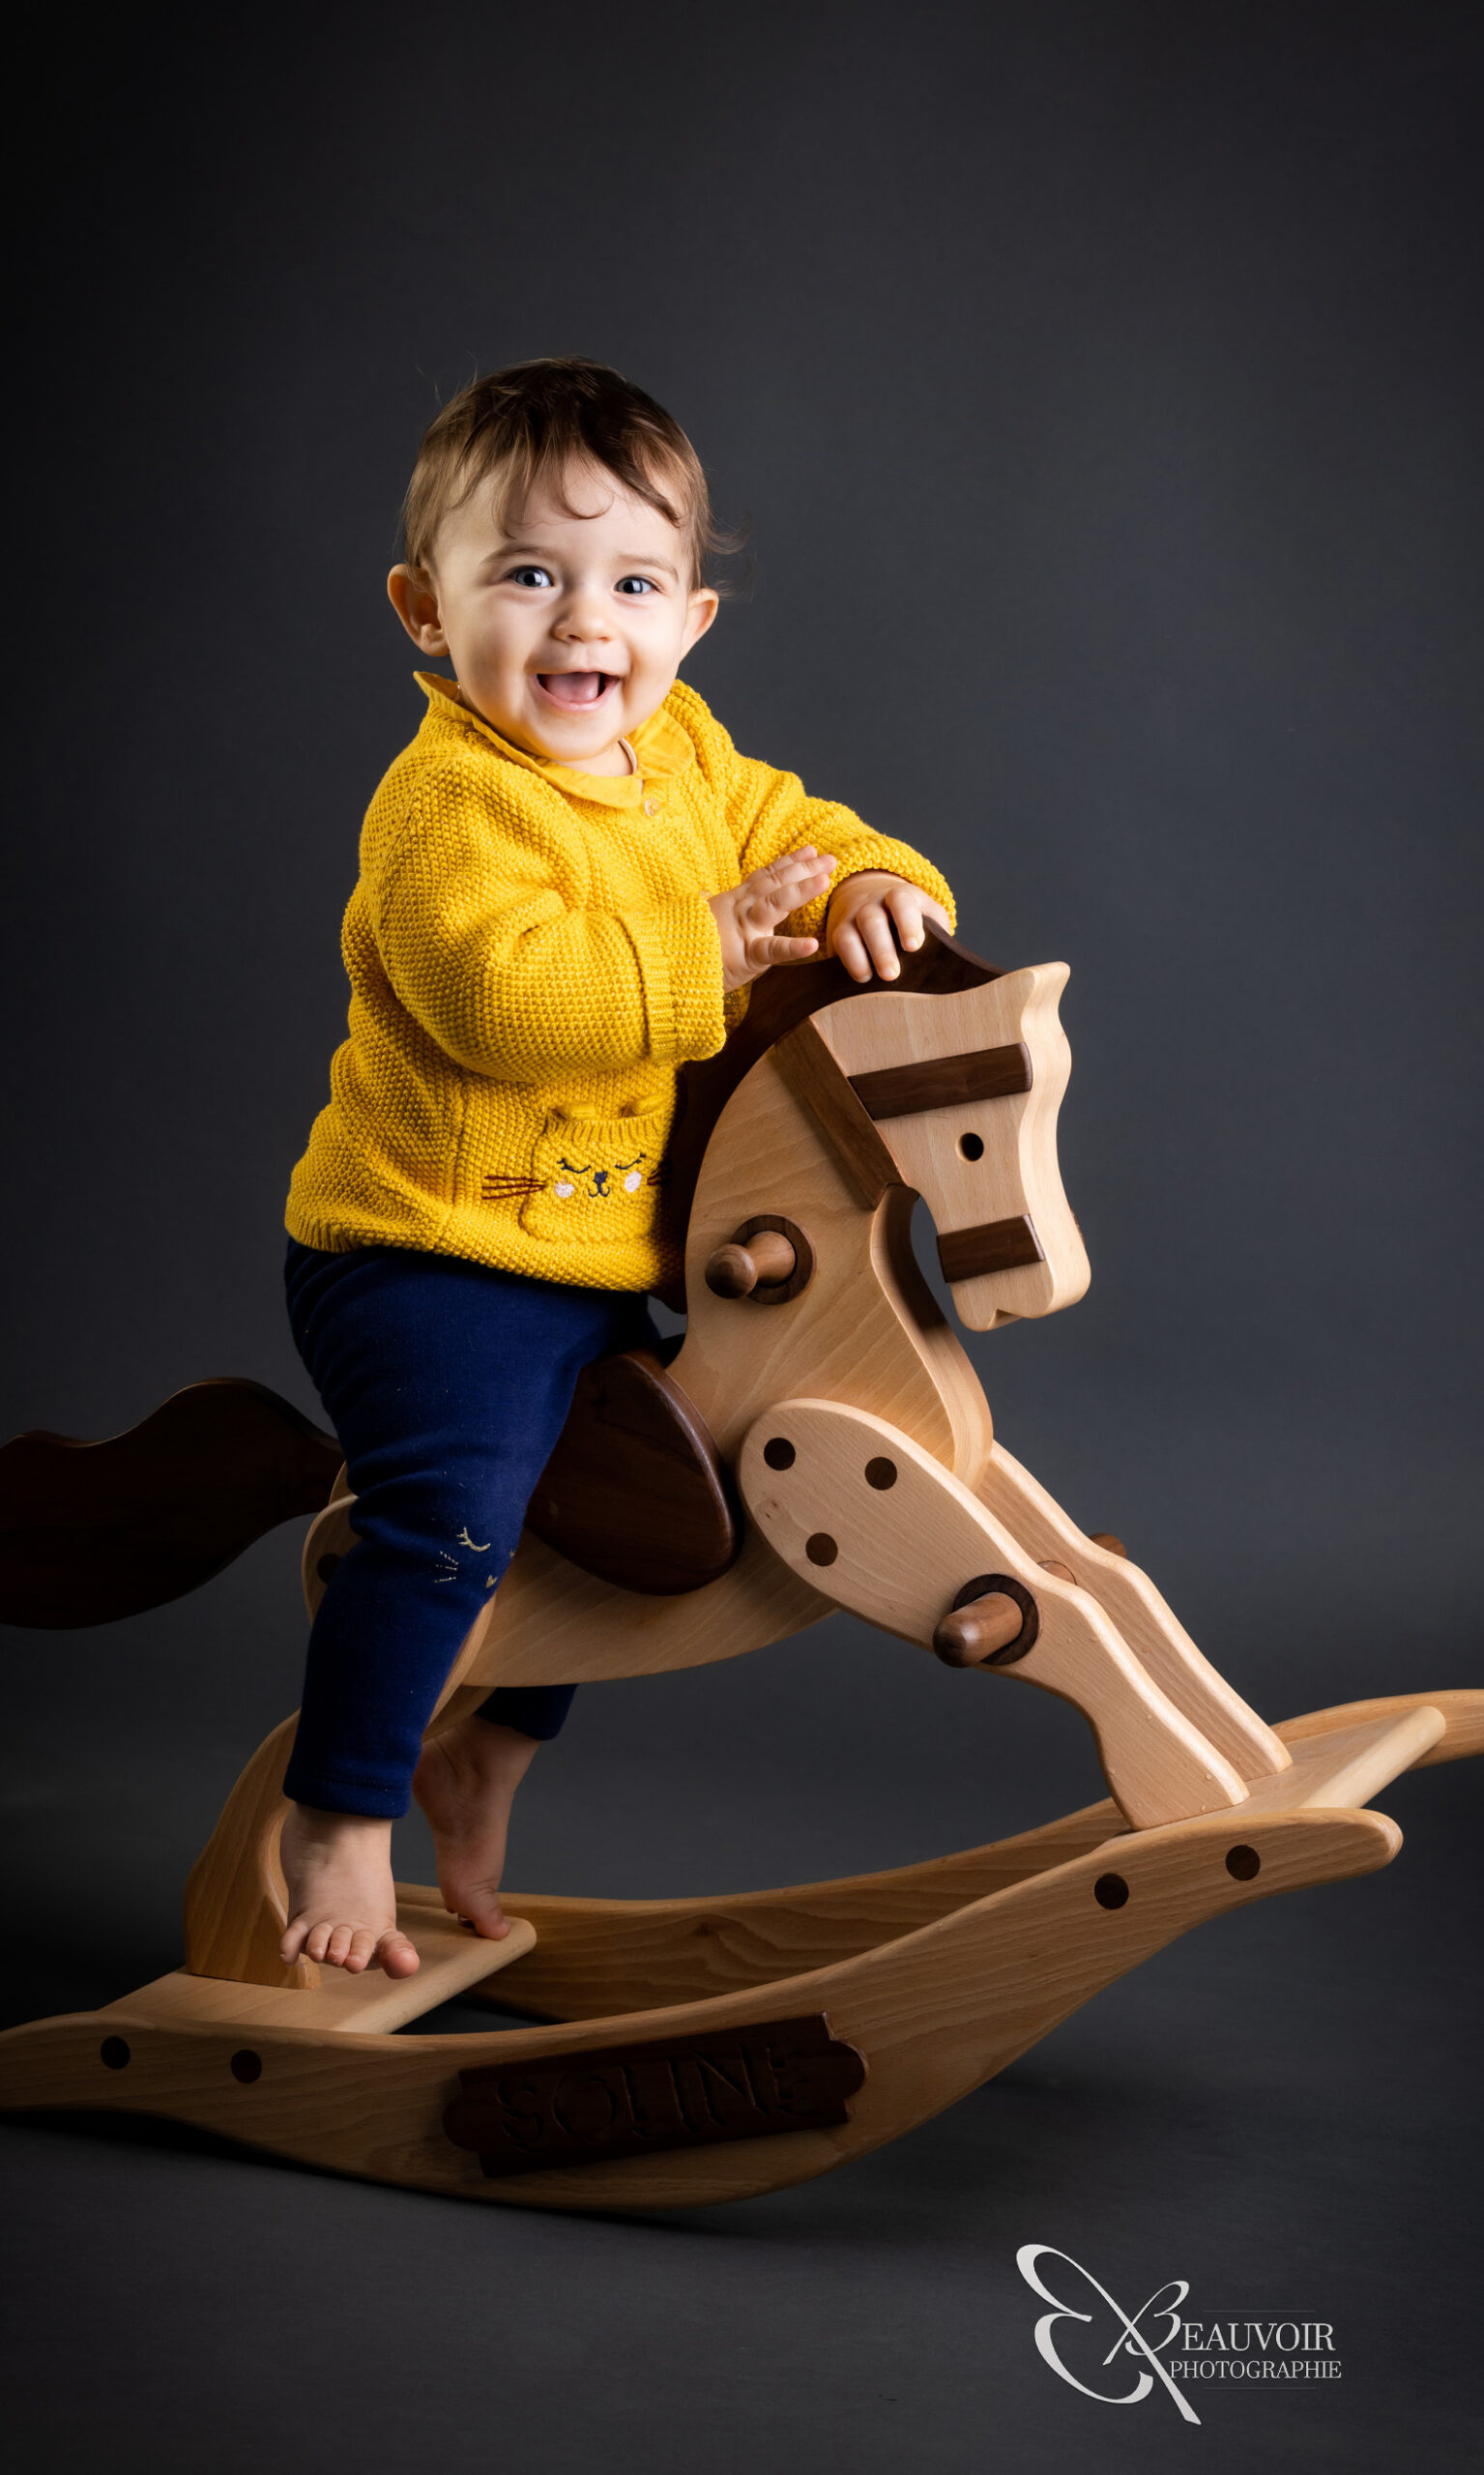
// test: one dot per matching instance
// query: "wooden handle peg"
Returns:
(1105, 1538)
(735, 1272)
(970, 1635)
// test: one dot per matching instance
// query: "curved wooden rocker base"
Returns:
(712, 2049)
(821, 1440)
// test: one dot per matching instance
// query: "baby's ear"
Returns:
(414, 595)
(704, 606)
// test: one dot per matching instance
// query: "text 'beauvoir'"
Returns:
(1258, 2337)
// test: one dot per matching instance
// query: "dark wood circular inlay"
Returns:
(1110, 1891)
(1243, 1864)
(880, 1472)
(247, 2066)
(821, 1549)
(113, 2054)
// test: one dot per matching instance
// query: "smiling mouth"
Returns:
(575, 691)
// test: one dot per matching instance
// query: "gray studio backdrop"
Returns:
(1100, 387)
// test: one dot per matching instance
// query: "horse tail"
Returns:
(90, 1533)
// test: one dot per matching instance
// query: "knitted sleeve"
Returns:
(486, 943)
(773, 813)
(769, 813)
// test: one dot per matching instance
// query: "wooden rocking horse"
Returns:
(821, 1441)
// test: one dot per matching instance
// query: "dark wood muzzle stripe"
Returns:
(945, 1082)
(995, 1246)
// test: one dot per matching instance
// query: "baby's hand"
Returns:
(860, 919)
(747, 915)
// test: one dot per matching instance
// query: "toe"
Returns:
(482, 1910)
(361, 1951)
(396, 1955)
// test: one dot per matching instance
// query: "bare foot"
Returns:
(342, 1905)
(466, 1783)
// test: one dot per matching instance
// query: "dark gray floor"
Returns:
(1280, 2110)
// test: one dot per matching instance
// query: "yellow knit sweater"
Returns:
(532, 957)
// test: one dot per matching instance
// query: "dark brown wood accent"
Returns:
(735, 1270)
(814, 1076)
(994, 1247)
(1106, 1538)
(769, 1261)
(751, 2081)
(636, 1491)
(785, 995)
(978, 1632)
(945, 1082)
(970, 1635)
(91, 1532)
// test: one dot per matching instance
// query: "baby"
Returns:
(567, 882)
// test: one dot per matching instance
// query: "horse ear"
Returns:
(941, 967)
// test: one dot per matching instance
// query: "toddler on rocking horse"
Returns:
(567, 882)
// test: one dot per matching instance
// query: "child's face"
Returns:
(566, 632)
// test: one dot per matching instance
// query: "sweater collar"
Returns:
(662, 744)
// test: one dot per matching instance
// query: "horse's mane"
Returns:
(778, 1001)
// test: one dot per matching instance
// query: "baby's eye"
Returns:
(636, 585)
(532, 577)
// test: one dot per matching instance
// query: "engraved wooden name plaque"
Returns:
(748, 2082)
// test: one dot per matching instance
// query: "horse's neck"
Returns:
(866, 1330)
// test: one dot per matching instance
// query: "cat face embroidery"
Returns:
(629, 1174)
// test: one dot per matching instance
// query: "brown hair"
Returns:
(518, 425)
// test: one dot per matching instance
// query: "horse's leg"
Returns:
(847, 1500)
(1155, 1634)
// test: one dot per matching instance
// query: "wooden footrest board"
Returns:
(453, 1959)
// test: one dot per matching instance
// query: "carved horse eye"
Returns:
(970, 1147)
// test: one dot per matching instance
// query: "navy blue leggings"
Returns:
(448, 1385)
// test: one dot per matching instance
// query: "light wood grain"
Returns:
(236, 1904)
(1155, 1635)
(1349, 1765)
(903, 1556)
(453, 1957)
(609, 1955)
(934, 2012)
(332, 1533)
(1462, 1710)
(1017, 1172)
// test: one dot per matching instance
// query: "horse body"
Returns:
(865, 1331)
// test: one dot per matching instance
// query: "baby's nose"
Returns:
(583, 621)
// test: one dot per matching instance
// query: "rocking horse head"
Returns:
(946, 1083)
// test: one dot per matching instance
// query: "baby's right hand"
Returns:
(747, 915)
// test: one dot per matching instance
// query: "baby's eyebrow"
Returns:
(547, 558)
